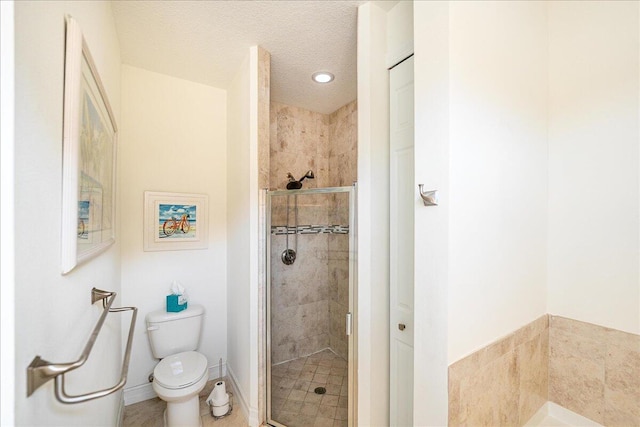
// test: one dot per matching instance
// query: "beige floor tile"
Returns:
(150, 413)
(145, 414)
(235, 419)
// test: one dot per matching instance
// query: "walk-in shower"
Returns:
(310, 306)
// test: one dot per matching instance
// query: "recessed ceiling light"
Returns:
(322, 77)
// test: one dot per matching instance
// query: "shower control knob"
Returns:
(401, 326)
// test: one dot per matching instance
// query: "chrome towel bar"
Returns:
(41, 371)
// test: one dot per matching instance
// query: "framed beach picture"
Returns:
(89, 157)
(175, 221)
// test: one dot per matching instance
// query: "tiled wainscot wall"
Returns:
(588, 369)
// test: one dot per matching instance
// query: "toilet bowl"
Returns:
(182, 372)
(177, 380)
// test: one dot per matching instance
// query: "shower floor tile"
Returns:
(293, 400)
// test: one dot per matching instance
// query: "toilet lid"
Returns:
(180, 370)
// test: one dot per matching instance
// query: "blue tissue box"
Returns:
(172, 304)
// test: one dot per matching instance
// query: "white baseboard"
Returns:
(250, 414)
(214, 372)
(238, 395)
(140, 393)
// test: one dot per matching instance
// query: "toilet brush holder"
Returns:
(218, 411)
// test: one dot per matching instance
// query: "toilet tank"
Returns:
(171, 333)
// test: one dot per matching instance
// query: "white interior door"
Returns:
(401, 228)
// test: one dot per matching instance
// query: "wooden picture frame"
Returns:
(175, 221)
(89, 157)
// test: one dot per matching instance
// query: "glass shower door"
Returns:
(310, 277)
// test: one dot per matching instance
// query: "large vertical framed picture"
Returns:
(175, 221)
(89, 157)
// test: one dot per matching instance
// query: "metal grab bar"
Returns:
(41, 371)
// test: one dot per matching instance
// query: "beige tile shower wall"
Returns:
(503, 384)
(264, 117)
(338, 293)
(595, 371)
(343, 127)
(299, 298)
(320, 276)
(299, 142)
(343, 137)
(338, 255)
(311, 209)
(303, 140)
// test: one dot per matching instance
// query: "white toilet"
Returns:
(182, 373)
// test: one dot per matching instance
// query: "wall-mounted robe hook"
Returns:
(430, 198)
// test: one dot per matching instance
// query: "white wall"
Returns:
(593, 163)
(173, 139)
(399, 44)
(432, 146)
(498, 175)
(373, 218)
(525, 121)
(242, 237)
(480, 114)
(7, 251)
(53, 316)
(521, 198)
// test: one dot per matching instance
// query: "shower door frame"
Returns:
(353, 326)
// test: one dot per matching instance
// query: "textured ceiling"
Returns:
(206, 42)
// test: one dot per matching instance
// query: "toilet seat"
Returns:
(180, 370)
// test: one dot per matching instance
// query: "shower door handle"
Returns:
(348, 321)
